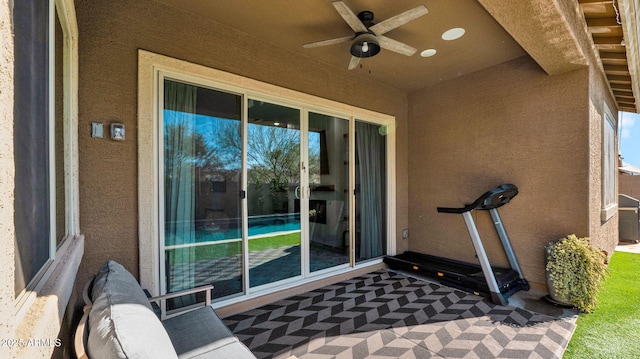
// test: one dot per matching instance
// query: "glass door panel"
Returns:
(328, 144)
(370, 191)
(202, 181)
(273, 192)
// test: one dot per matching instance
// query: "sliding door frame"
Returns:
(152, 69)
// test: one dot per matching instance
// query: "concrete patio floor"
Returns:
(628, 247)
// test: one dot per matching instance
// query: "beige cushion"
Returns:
(121, 322)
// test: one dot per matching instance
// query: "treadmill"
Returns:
(496, 283)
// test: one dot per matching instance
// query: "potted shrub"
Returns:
(574, 270)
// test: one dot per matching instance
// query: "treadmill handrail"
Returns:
(466, 208)
(494, 198)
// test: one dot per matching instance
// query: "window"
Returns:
(46, 202)
(32, 193)
(609, 158)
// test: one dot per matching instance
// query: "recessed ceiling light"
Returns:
(453, 34)
(428, 53)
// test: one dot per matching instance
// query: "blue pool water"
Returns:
(259, 225)
(208, 236)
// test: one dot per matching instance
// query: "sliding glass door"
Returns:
(273, 192)
(370, 191)
(255, 193)
(328, 153)
(202, 160)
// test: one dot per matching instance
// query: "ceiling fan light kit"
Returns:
(365, 45)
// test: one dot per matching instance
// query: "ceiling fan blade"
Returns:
(354, 62)
(338, 40)
(395, 46)
(398, 20)
(348, 16)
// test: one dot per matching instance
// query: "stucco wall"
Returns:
(512, 123)
(604, 234)
(111, 33)
(7, 173)
(629, 185)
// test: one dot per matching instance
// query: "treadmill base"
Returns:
(461, 275)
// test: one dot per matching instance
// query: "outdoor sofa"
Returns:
(119, 321)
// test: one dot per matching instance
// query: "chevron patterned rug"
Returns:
(389, 315)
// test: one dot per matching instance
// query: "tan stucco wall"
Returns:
(604, 234)
(554, 33)
(7, 173)
(111, 33)
(512, 123)
(629, 185)
(543, 29)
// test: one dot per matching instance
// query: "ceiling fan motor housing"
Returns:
(366, 17)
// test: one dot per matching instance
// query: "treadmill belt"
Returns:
(465, 276)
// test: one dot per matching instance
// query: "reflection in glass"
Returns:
(61, 216)
(273, 194)
(202, 182)
(203, 217)
(370, 201)
(329, 183)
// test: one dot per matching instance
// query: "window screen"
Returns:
(31, 139)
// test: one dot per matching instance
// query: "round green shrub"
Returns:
(576, 269)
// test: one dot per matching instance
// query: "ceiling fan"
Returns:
(368, 37)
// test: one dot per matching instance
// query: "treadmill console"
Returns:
(497, 197)
(491, 199)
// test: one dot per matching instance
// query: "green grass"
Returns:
(221, 250)
(613, 329)
(259, 244)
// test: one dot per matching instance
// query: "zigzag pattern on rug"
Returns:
(387, 314)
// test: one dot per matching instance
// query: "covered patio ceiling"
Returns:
(291, 24)
(495, 32)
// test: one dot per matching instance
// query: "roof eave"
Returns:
(542, 30)
(630, 21)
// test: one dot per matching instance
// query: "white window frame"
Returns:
(150, 68)
(68, 251)
(609, 165)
